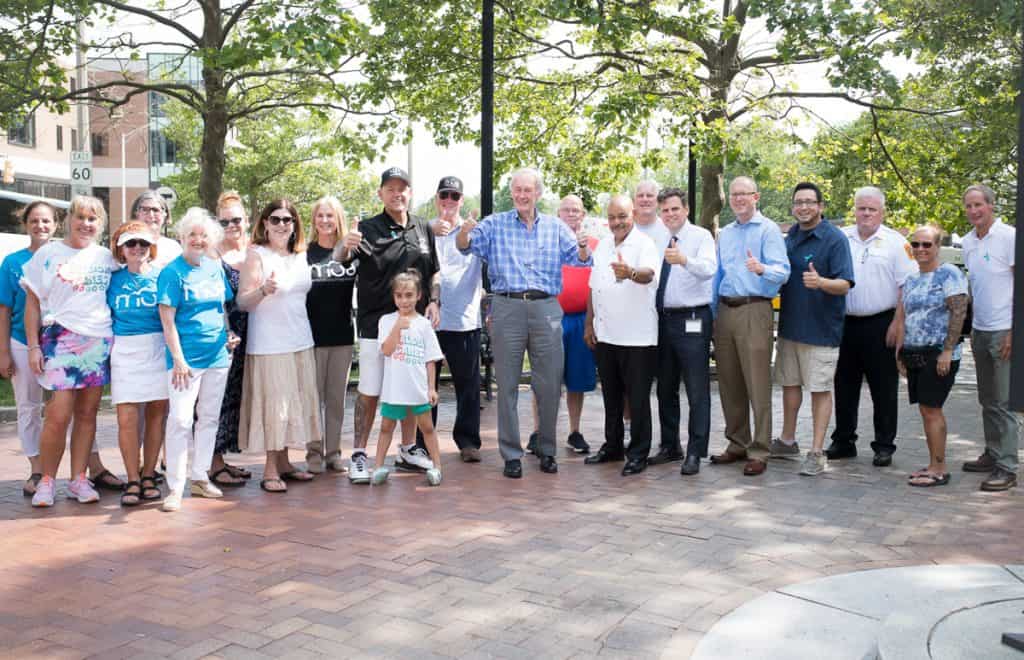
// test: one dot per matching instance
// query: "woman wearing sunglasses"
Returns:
(934, 305)
(137, 355)
(280, 407)
(232, 249)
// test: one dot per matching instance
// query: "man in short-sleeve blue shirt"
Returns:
(811, 317)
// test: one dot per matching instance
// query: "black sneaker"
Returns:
(837, 451)
(577, 443)
(531, 446)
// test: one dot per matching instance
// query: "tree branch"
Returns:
(155, 17)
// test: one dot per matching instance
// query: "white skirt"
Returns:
(138, 368)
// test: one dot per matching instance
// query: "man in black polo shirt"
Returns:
(387, 244)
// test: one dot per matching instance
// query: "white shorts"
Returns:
(138, 368)
(371, 367)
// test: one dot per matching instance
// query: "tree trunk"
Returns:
(215, 114)
(711, 194)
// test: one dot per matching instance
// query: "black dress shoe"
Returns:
(531, 446)
(837, 451)
(602, 456)
(691, 465)
(634, 466)
(665, 455)
(882, 459)
(548, 464)
(513, 469)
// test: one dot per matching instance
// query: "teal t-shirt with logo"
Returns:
(198, 294)
(132, 300)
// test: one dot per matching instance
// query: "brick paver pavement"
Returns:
(576, 565)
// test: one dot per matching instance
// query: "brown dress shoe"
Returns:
(727, 457)
(754, 467)
(983, 463)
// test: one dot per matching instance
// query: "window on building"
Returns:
(60, 138)
(24, 134)
(161, 150)
(72, 84)
(74, 139)
(100, 144)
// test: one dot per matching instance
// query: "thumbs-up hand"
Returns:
(621, 268)
(352, 240)
(673, 254)
(269, 286)
(467, 225)
(753, 265)
(811, 278)
(442, 227)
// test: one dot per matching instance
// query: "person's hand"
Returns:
(893, 335)
(442, 227)
(811, 278)
(621, 269)
(674, 255)
(351, 241)
(900, 367)
(233, 341)
(432, 397)
(753, 265)
(269, 286)
(180, 375)
(433, 314)
(467, 226)
(1006, 348)
(6, 365)
(404, 322)
(942, 364)
(589, 338)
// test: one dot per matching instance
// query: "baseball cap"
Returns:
(450, 183)
(129, 235)
(395, 173)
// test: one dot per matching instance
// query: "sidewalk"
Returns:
(575, 565)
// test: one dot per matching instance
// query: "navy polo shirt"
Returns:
(811, 316)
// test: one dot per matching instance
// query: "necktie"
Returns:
(659, 300)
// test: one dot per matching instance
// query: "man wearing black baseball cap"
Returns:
(387, 244)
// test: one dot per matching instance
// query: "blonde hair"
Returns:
(331, 202)
(936, 231)
(227, 198)
(81, 203)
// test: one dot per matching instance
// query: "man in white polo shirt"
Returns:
(881, 263)
(989, 256)
(622, 328)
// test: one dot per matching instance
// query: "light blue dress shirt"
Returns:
(763, 239)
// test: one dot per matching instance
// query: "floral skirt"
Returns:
(72, 361)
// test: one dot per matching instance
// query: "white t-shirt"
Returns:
(881, 264)
(624, 311)
(990, 262)
(167, 250)
(656, 231)
(71, 285)
(405, 370)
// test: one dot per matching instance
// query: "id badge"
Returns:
(693, 326)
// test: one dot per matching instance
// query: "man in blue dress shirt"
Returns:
(752, 265)
(524, 251)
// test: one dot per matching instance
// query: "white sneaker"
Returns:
(415, 459)
(205, 489)
(434, 477)
(814, 464)
(314, 463)
(80, 489)
(358, 473)
(380, 475)
(172, 502)
(44, 493)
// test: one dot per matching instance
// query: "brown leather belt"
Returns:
(740, 301)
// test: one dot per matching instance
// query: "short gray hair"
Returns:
(199, 216)
(538, 180)
(869, 191)
(986, 192)
(745, 179)
(156, 197)
(646, 182)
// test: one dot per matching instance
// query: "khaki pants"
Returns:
(743, 355)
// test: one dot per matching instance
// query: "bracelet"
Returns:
(436, 301)
(35, 348)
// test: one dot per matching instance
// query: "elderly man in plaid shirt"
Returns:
(524, 251)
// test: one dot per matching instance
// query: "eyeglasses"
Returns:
(136, 242)
(146, 210)
(224, 222)
(449, 194)
(279, 219)
(737, 195)
(921, 244)
(800, 203)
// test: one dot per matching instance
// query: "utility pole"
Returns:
(81, 80)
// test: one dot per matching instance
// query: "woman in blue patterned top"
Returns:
(933, 307)
(136, 358)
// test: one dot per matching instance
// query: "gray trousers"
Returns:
(333, 364)
(518, 326)
(1002, 425)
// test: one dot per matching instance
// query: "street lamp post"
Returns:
(124, 169)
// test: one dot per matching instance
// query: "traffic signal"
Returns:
(8, 172)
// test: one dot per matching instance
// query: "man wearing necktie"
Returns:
(684, 332)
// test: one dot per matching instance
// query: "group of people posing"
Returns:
(241, 339)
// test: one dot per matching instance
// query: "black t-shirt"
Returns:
(388, 249)
(329, 302)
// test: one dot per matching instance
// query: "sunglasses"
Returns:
(224, 222)
(450, 194)
(921, 244)
(278, 219)
(136, 242)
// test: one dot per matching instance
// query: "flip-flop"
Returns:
(238, 472)
(228, 484)
(100, 481)
(917, 474)
(930, 480)
(34, 478)
(265, 482)
(297, 475)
